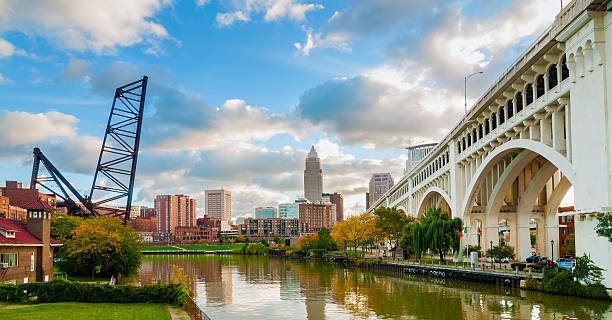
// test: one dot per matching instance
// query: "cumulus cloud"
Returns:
(99, 26)
(364, 110)
(7, 49)
(24, 128)
(77, 70)
(272, 10)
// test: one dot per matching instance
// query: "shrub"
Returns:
(60, 290)
(317, 253)
(257, 249)
(536, 267)
(518, 265)
(471, 248)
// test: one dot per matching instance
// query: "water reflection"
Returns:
(235, 287)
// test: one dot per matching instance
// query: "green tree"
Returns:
(500, 252)
(325, 240)
(278, 240)
(407, 241)
(62, 226)
(586, 270)
(265, 242)
(391, 222)
(436, 232)
(604, 226)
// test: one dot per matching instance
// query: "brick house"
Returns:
(26, 249)
(20, 196)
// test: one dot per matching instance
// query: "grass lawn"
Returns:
(75, 310)
(159, 248)
(214, 247)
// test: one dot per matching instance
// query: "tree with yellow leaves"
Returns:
(355, 230)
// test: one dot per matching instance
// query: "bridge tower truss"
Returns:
(116, 169)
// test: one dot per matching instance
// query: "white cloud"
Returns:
(24, 128)
(77, 70)
(273, 10)
(317, 40)
(7, 49)
(100, 26)
(4, 80)
(202, 3)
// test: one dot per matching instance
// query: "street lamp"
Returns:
(465, 88)
(552, 250)
(491, 254)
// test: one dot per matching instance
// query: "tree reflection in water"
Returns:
(237, 287)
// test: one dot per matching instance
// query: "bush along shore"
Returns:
(60, 290)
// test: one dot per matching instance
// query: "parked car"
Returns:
(546, 262)
(533, 259)
(565, 264)
(504, 260)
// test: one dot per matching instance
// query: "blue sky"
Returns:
(240, 89)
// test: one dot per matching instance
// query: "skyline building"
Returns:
(266, 212)
(338, 200)
(314, 216)
(218, 204)
(173, 211)
(313, 177)
(379, 184)
(289, 210)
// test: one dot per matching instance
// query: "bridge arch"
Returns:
(557, 159)
(431, 192)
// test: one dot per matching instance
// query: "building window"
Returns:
(10, 259)
(540, 86)
(519, 102)
(529, 94)
(564, 69)
(32, 262)
(552, 76)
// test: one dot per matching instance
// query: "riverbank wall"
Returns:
(508, 279)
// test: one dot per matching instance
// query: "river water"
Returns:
(239, 287)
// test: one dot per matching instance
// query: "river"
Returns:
(239, 287)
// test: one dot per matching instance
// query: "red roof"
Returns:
(22, 235)
(38, 205)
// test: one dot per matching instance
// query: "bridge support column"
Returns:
(524, 242)
(599, 248)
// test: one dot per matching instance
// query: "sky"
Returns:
(240, 89)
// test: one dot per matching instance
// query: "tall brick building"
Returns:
(173, 211)
(316, 216)
(337, 199)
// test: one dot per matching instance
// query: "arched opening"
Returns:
(502, 115)
(434, 198)
(487, 126)
(519, 102)
(539, 86)
(474, 135)
(529, 94)
(493, 121)
(564, 69)
(480, 131)
(518, 189)
(552, 76)
(469, 139)
(510, 109)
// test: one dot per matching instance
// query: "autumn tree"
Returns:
(103, 245)
(355, 230)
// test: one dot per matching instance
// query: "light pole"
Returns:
(491, 254)
(465, 88)
(552, 250)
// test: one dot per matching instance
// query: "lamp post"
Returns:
(552, 250)
(491, 254)
(465, 88)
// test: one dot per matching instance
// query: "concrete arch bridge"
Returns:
(543, 129)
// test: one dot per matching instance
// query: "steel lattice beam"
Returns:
(116, 169)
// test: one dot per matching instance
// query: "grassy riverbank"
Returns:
(213, 247)
(75, 310)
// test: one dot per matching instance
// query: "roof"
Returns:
(313, 153)
(22, 235)
(38, 205)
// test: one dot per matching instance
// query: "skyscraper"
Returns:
(219, 204)
(379, 184)
(313, 177)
